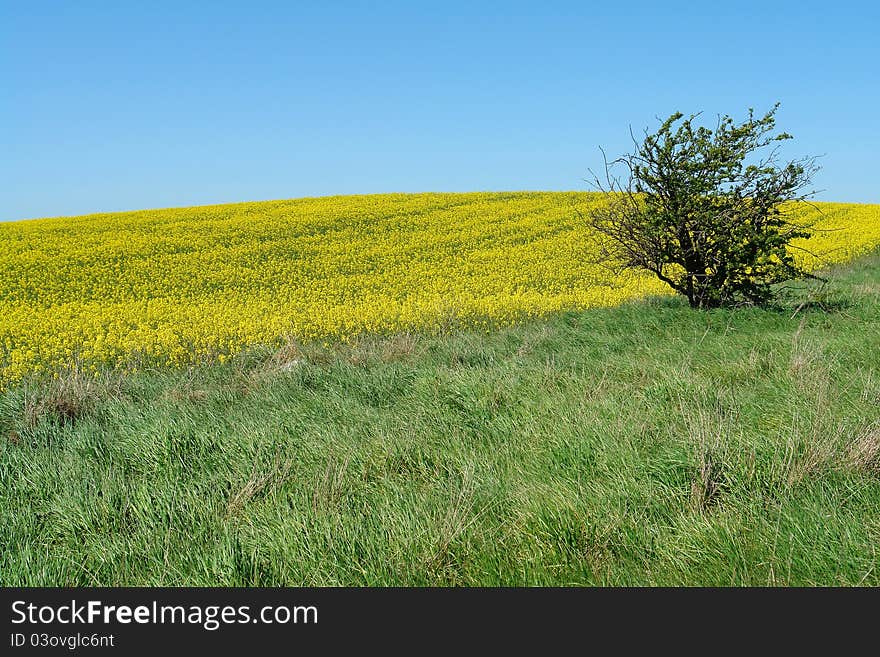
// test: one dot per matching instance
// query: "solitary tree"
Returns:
(707, 211)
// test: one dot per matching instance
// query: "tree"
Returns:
(707, 211)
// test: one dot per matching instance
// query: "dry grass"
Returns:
(287, 358)
(330, 487)
(374, 349)
(709, 432)
(808, 364)
(809, 455)
(68, 398)
(863, 453)
(260, 481)
(458, 515)
(188, 390)
(866, 290)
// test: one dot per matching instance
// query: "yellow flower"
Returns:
(170, 286)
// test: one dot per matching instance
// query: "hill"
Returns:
(139, 289)
(639, 444)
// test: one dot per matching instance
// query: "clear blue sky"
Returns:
(129, 105)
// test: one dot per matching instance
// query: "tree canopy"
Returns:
(708, 211)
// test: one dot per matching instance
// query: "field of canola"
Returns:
(170, 286)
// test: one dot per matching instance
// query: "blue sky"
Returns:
(129, 105)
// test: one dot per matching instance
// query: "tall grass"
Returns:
(644, 444)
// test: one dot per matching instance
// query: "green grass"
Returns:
(645, 444)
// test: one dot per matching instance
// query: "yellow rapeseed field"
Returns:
(171, 286)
